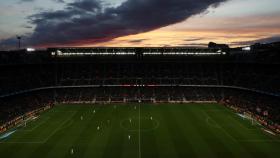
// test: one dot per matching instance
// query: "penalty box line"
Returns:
(45, 119)
(220, 127)
(34, 127)
(238, 140)
(59, 127)
(40, 142)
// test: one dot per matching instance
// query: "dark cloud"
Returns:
(269, 39)
(87, 5)
(27, 0)
(200, 45)
(87, 21)
(11, 42)
(137, 40)
(59, 1)
(27, 26)
(262, 40)
(194, 39)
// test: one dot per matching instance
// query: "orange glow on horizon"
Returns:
(194, 32)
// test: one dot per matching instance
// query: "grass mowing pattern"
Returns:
(167, 130)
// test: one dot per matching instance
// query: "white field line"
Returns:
(240, 124)
(139, 124)
(234, 119)
(42, 122)
(213, 125)
(240, 140)
(220, 127)
(34, 127)
(40, 142)
(58, 128)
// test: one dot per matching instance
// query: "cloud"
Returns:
(195, 39)
(201, 45)
(27, 0)
(269, 39)
(88, 21)
(262, 40)
(59, 1)
(137, 41)
(86, 5)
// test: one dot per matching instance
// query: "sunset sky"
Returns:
(49, 23)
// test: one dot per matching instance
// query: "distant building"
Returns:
(218, 46)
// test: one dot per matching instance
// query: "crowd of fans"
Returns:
(262, 106)
(30, 84)
(128, 94)
(14, 106)
(24, 77)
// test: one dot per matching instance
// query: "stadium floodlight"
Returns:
(59, 53)
(30, 49)
(246, 48)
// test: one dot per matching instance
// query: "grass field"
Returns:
(140, 131)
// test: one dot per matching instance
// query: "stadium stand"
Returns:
(245, 80)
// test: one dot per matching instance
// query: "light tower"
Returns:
(19, 41)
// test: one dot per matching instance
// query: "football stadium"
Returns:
(140, 102)
(139, 79)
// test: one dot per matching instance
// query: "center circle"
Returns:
(146, 124)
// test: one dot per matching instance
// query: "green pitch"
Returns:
(140, 131)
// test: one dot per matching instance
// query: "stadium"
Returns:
(140, 102)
